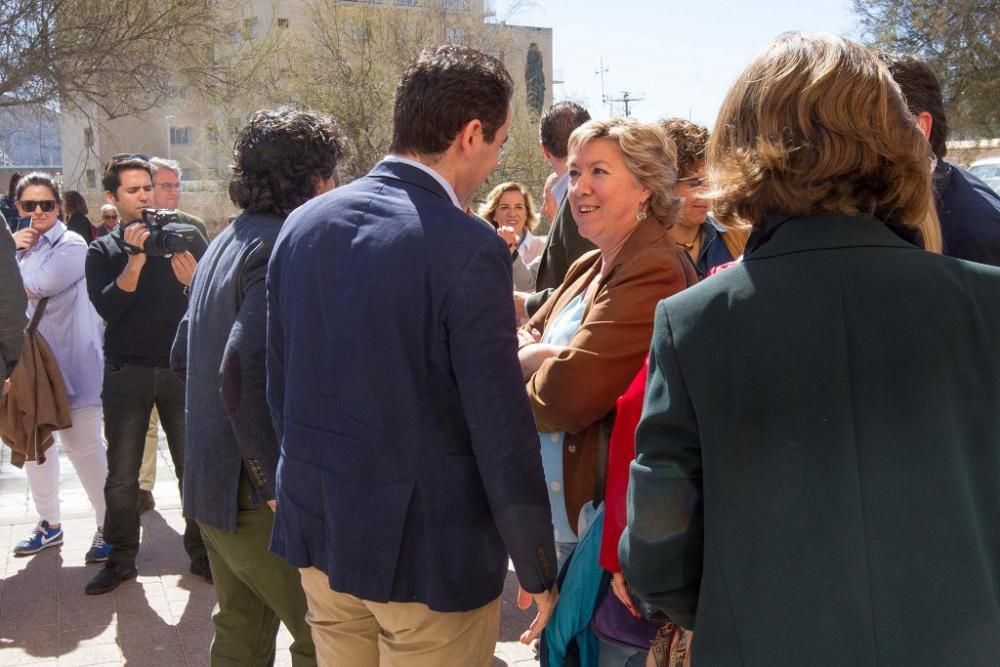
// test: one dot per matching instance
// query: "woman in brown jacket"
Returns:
(585, 344)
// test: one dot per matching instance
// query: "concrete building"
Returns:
(199, 135)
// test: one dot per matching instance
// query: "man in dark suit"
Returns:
(409, 461)
(969, 209)
(817, 472)
(563, 245)
(282, 159)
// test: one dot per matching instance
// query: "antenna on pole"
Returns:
(627, 99)
(602, 70)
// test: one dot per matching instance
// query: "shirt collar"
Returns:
(55, 232)
(430, 171)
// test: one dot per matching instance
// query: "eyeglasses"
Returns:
(169, 187)
(110, 217)
(29, 205)
(121, 157)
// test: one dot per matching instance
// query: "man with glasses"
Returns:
(166, 194)
(142, 299)
(109, 220)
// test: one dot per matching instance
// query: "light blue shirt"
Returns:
(430, 171)
(54, 268)
(560, 188)
(560, 332)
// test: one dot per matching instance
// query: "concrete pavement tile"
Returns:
(197, 641)
(70, 640)
(203, 658)
(91, 655)
(164, 656)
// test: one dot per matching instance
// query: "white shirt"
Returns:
(428, 170)
(54, 268)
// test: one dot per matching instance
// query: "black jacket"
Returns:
(817, 479)
(141, 325)
(969, 211)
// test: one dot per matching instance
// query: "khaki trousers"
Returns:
(147, 472)
(351, 631)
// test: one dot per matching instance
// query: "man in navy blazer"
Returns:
(969, 210)
(409, 463)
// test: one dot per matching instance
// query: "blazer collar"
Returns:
(645, 234)
(783, 236)
(401, 171)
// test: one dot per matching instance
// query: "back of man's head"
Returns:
(558, 123)
(441, 92)
(281, 157)
(922, 90)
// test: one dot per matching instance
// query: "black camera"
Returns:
(167, 234)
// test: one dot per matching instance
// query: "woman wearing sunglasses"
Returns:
(51, 260)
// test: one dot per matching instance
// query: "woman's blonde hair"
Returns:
(815, 124)
(492, 203)
(649, 154)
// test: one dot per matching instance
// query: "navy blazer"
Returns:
(220, 344)
(409, 461)
(969, 211)
(817, 473)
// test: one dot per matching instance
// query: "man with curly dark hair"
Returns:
(282, 158)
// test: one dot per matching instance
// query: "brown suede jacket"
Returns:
(575, 390)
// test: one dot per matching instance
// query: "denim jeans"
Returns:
(129, 394)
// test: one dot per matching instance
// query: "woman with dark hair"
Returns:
(51, 261)
(8, 210)
(74, 210)
(817, 467)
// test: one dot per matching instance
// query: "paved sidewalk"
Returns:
(162, 619)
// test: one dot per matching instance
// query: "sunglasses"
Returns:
(110, 217)
(121, 157)
(28, 205)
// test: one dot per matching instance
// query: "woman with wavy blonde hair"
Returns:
(817, 464)
(511, 210)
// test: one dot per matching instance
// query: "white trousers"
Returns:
(83, 444)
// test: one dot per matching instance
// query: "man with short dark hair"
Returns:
(564, 244)
(409, 459)
(282, 158)
(166, 194)
(969, 210)
(142, 299)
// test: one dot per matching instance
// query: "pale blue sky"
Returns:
(680, 56)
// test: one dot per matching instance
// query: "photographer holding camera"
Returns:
(137, 279)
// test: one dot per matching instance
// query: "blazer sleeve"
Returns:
(580, 385)
(662, 548)
(244, 378)
(483, 349)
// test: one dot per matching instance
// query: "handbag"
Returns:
(614, 624)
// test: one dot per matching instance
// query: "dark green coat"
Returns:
(818, 463)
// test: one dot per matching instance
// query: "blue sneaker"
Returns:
(43, 537)
(99, 549)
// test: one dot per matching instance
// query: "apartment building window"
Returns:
(282, 23)
(180, 135)
(91, 177)
(407, 3)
